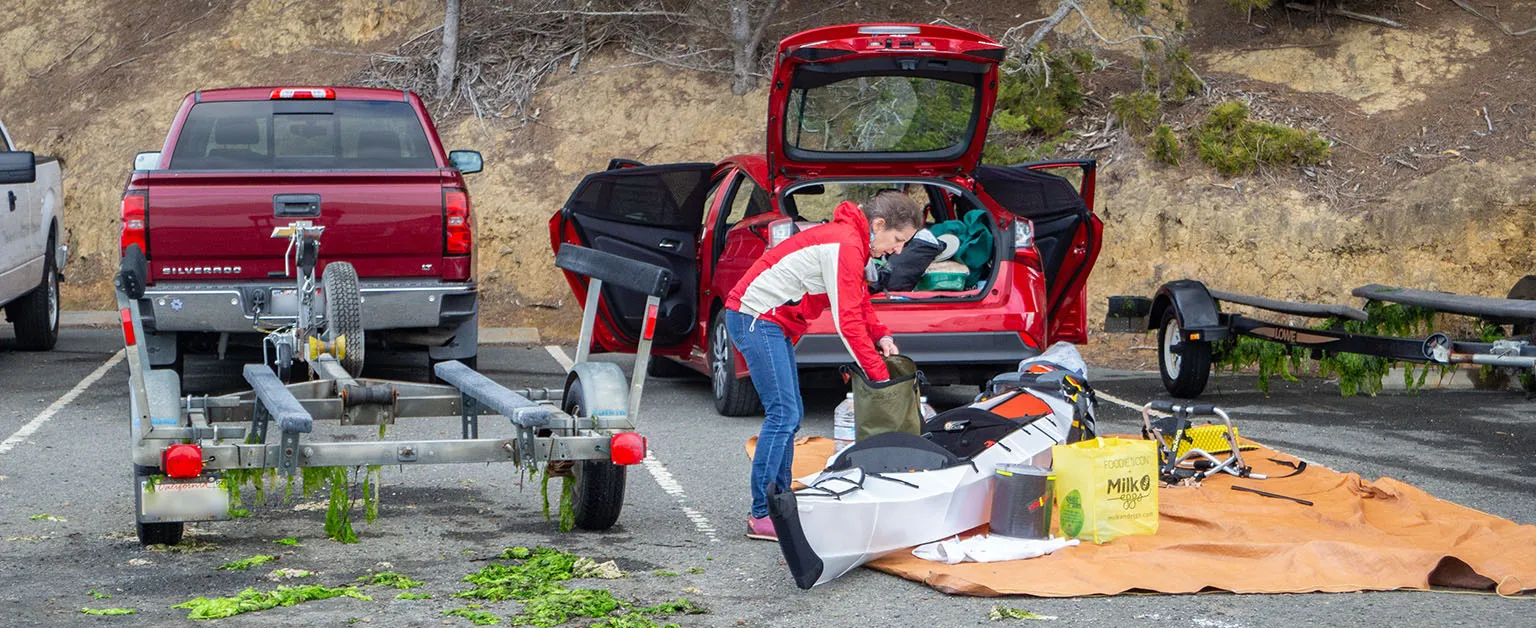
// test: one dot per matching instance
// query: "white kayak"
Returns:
(894, 491)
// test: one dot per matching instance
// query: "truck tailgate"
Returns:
(218, 225)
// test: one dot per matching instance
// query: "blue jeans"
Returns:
(770, 357)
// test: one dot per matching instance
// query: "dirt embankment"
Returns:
(1420, 191)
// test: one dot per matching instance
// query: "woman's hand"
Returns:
(888, 346)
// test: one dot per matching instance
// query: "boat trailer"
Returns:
(182, 446)
(1190, 323)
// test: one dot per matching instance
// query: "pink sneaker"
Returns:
(761, 528)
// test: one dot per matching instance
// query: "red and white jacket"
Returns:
(801, 277)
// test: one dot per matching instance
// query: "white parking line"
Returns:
(559, 355)
(670, 486)
(32, 426)
(658, 471)
(1123, 403)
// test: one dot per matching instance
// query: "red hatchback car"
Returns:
(854, 109)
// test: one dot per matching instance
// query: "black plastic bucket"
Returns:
(1021, 501)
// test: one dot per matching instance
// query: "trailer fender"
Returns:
(604, 390)
(1194, 306)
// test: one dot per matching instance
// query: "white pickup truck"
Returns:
(32, 248)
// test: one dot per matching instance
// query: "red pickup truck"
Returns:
(366, 164)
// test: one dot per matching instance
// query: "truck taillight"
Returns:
(135, 205)
(303, 93)
(182, 461)
(458, 237)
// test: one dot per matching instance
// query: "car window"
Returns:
(747, 200)
(302, 135)
(817, 203)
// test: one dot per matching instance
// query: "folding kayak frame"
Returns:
(1197, 322)
(587, 422)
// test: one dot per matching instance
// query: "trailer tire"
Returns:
(160, 533)
(597, 485)
(344, 313)
(1186, 372)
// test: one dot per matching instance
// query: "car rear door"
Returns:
(1067, 235)
(650, 214)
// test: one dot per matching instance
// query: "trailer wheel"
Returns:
(597, 485)
(1185, 364)
(344, 313)
(161, 533)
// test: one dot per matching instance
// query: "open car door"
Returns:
(1067, 234)
(650, 214)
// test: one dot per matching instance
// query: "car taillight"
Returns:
(1023, 233)
(458, 238)
(135, 205)
(780, 230)
(626, 448)
(303, 93)
(182, 461)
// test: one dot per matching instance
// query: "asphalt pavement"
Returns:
(684, 512)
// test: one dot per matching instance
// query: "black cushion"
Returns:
(967, 431)
(895, 452)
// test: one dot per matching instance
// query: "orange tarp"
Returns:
(1358, 536)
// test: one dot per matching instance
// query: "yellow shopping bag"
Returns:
(1106, 488)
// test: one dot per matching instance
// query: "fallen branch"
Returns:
(66, 56)
(1502, 27)
(1297, 6)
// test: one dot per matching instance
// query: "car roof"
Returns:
(264, 93)
(755, 165)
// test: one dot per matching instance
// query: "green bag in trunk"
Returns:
(894, 405)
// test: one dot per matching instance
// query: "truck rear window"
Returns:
(302, 135)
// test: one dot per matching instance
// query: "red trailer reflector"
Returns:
(650, 323)
(290, 93)
(182, 461)
(128, 338)
(626, 448)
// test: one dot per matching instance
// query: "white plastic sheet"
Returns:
(989, 548)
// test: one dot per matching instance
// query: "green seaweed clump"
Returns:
(251, 600)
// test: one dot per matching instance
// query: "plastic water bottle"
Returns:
(843, 431)
(927, 411)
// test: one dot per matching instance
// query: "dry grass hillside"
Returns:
(1423, 188)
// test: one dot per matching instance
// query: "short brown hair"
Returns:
(898, 210)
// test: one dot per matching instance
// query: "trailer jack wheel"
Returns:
(597, 485)
(1185, 365)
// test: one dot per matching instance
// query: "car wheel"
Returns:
(36, 315)
(1185, 364)
(733, 397)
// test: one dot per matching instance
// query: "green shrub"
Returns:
(1233, 144)
(1165, 145)
(1138, 111)
(1034, 104)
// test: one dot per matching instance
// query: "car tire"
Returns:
(344, 313)
(1186, 371)
(597, 496)
(733, 397)
(36, 315)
